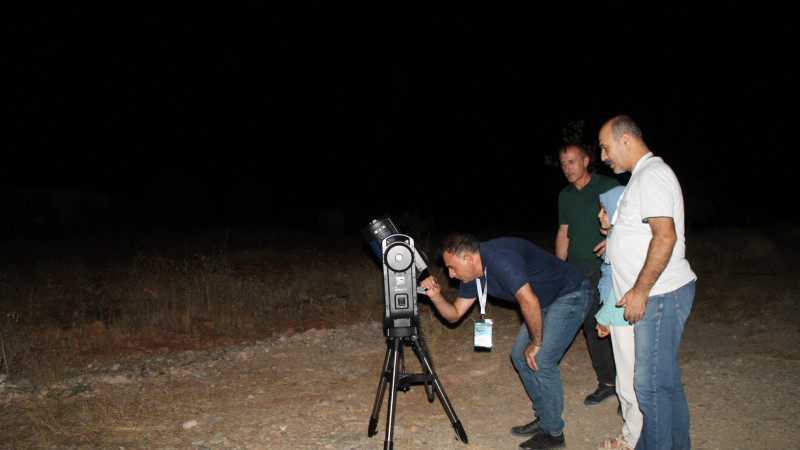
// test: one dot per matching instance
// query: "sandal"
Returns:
(617, 443)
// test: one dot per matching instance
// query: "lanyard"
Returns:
(616, 211)
(619, 202)
(482, 293)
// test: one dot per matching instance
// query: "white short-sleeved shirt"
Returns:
(653, 191)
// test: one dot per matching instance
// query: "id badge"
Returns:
(483, 333)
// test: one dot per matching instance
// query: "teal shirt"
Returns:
(610, 313)
(578, 209)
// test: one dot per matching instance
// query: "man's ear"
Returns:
(467, 258)
(625, 140)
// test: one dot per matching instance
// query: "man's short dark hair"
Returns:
(459, 243)
(624, 125)
(582, 148)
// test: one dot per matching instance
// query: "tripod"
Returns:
(394, 374)
(401, 263)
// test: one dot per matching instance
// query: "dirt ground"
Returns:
(315, 389)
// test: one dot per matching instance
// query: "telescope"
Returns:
(402, 265)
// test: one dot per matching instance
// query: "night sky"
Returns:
(264, 113)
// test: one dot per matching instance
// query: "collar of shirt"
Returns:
(639, 163)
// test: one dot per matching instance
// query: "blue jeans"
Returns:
(561, 321)
(657, 377)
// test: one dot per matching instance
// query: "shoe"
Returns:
(603, 392)
(543, 440)
(527, 429)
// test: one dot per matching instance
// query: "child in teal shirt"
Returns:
(610, 321)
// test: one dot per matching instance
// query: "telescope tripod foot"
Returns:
(373, 427)
(462, 434)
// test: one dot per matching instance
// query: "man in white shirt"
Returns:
(652, 279)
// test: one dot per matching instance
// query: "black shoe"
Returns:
(526, 430)
(543, 440)
(603, 392)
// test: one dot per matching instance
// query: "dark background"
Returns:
(260, 113)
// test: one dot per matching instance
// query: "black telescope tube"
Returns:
(378, 230)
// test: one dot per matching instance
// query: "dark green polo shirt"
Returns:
(579, 209)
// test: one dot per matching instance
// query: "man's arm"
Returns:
(562, 241)
(532, 313)
(450, 311)
(658, 255)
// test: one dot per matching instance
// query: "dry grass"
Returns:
(63, 306)
(66, 304)
(746, 274)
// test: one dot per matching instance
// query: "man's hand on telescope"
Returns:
(451, 312)
(432, 288)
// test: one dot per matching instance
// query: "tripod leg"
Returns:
(376, 408)
(448, 408)
(397, 348)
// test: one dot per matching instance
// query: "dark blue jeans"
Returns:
(560, 323)
(657, 376)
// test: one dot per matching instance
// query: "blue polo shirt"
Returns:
(511, 262)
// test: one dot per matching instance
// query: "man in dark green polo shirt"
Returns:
(578, 235)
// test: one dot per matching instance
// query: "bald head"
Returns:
(623, 124)
(621, 143)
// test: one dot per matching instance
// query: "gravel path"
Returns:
(316, 389)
